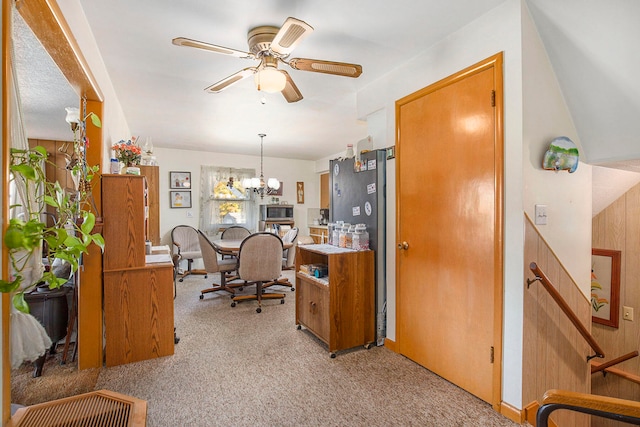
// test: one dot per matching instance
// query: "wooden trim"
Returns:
(511, 412)
(391, 345)
(45, 19)
(6, 300)
(530, 412)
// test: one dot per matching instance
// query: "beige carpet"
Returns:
(235, 367)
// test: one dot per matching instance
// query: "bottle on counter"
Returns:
(343, 236)
(349, 237)
(360, 239)
(335, 236)
(330, 227)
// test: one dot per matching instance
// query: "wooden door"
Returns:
(449, 276)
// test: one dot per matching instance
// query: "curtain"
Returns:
(224, 201)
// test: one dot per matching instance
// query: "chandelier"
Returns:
(259, 185)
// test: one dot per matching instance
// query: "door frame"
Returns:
(494, 62)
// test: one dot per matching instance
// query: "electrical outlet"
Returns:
(627, 313)
(189, 214)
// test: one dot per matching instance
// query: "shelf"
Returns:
(320, 281)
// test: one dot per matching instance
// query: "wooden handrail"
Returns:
(597, 367)
(566, 309)
(602, 406)
(619, 372)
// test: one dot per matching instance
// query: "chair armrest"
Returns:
(602, 406)
(176, 244)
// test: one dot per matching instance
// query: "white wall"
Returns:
(286, 170)
(568, 196)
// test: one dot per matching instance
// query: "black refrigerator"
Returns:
(358, 196)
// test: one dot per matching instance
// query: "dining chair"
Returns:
(214, 265)
(184, 239)
(260, 261)
(288, 259)
(235, 232)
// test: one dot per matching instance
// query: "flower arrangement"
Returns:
(128, 152)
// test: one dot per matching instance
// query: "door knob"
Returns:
(403, 245)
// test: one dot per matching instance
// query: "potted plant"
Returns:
(27, 234)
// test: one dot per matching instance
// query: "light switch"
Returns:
(627, 313)
(189, 214)
(541, 214)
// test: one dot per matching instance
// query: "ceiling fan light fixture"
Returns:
(270, 80)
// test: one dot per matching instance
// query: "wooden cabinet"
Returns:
(318, 234)
(339, 309)
(152, 174)
(138, 297)
(324, 191)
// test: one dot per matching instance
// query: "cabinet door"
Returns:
(313, 307)
(324, 191)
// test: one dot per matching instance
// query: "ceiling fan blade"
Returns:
(182, 41)
(290, 91)
(231, 80)
(328, 67)
(289, 36)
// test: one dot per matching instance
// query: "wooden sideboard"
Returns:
(138, 297)
(339, 308)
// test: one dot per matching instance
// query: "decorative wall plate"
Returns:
(561, 155)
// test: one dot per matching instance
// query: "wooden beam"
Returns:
(45, 19)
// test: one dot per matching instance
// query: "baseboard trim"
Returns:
(391, 345)
(511, 412)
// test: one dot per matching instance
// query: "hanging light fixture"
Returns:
(268, 78)
(258, 184)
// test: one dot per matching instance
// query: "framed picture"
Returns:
(180, 199)
(300, 191)
(605, 286)
(179, 179)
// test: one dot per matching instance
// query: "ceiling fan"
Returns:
(271, 45)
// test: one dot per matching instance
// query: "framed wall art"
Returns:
(179, 179)
(180, 199)
(605, 286)
(300, 192)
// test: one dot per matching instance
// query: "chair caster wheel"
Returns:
(281, 301)
(240, 288)
(332, 355)
(258, 310)
(298, 327)
(233, 304)
(293, 289)
(368, 346)
(181, 280)
(201, 296)
(205, 276)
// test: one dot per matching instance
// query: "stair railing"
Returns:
(542, 278)
(627, 411)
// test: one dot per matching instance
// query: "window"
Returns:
(224, 202)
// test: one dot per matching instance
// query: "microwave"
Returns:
(276, 212)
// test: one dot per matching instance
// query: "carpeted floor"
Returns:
(235, 367)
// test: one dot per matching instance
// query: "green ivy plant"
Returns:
(67, 239)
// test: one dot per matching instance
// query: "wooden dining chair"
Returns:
(214, 265)
(184, 240)
(235, 232)
(259, 261)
